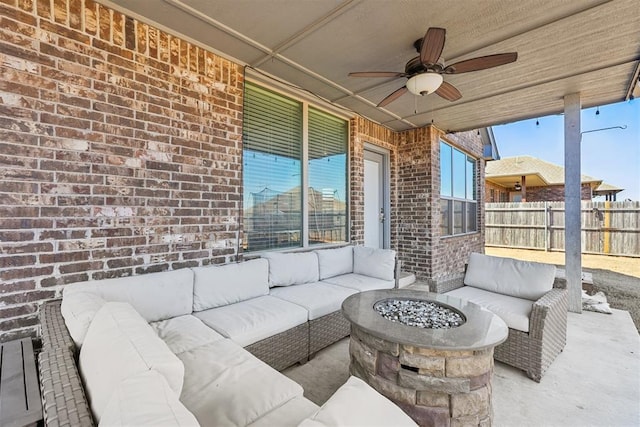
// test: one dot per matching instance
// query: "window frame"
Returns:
(306, 103)
(451, 201)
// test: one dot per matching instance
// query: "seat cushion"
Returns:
(357, 404)
(225, 385)
(360, 282)
(514, 311)
(78, 310)
(318, 298)
(289, 414)
(184, 333)
(374, 262)
(119, 344)
(292, 269)
(521, 279)
(334, 262)
(145, 399)
(227, 284)
(253, 320)
(156, 296)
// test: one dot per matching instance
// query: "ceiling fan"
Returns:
(424, 72)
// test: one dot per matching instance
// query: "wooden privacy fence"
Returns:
(607, 227)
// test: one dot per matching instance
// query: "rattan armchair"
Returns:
(533, 352)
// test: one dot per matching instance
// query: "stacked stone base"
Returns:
(434, 387)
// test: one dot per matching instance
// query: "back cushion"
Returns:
(145, 399)
(292, 269)
(507, 276)
(156, 296)
(119, 344)
(374, 262)
(230, 283)
(78, 310)
(334, 262)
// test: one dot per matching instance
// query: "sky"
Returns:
(610, 155)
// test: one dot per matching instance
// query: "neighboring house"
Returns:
(529, 179)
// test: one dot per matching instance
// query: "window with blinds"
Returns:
(274, 187)
(327, 195)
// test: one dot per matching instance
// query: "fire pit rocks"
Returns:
(430, 354)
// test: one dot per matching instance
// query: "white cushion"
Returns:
(156, 296)
(292, 269)
(514, 311)
(253, 320)
(288, 415)
(522, 279)
(230, 283)
(360, 283)
(333, 262)
(184, 333)
(357, 404)
(374, 262)
(118, 344)
(226, 385)
(78, 310)
(145, 399)
(319, 299)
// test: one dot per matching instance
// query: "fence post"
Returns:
(546, 227)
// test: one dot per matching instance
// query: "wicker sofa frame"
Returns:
(65, 402)
(532, 352)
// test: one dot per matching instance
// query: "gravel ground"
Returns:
(618, 277)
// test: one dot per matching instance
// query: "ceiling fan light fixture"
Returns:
(424, 84)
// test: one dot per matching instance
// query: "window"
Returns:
(280, 173)
(457, 191)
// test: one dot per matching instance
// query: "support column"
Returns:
(572, 228)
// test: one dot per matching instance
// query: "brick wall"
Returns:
(555, 193)
(501, 194)
(365, 131)
(422, 248)
(120, 152)
(452, 253)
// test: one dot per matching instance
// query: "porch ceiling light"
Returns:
(424, 84)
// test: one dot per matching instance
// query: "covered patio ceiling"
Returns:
(586, 46)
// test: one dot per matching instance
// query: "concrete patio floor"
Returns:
(594, 382)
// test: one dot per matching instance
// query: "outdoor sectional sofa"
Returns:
(530, 299)
(199, 345)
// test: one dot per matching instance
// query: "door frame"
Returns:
(386, 188)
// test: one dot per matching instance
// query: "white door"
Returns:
(376, 219)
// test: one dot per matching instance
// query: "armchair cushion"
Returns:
(507, 276)
(514, 311)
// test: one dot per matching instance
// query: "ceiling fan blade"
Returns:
(393, 96)
(432, 45)
(481, 63)
(448, 92)
(376, 74)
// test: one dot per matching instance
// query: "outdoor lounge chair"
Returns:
(513, 289)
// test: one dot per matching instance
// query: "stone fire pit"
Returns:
(430, 354)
